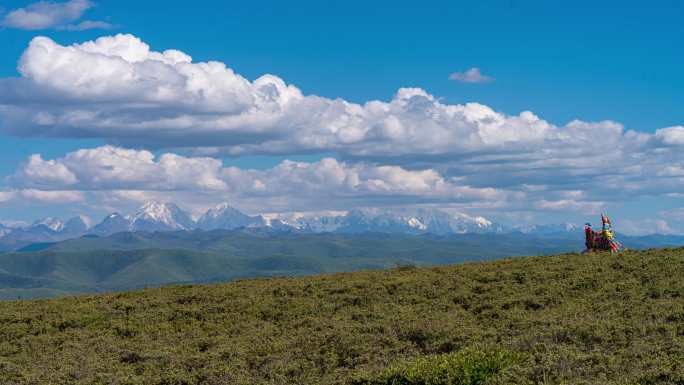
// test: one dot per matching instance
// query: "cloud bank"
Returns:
(411, 149)
(111, 173)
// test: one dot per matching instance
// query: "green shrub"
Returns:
(465, 367)
(570, 319)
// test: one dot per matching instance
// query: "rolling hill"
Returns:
(571, 318)
(131, 260)
(126, 261)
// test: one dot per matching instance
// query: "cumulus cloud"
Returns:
(110, 167)
(472, 75)
(109, 172)
(41, 196)
(52, 196)
(571, 205)
(88, 24)
(118, 88)
(413, 147)
(49, 14)
(673, 136)
(6, 196)
(39, 172)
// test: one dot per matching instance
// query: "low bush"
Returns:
(465, 367)
(565, 319)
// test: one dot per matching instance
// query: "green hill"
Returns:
(135, 260)
(566, 319)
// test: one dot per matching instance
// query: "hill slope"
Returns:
(563, 319)
(135, 260)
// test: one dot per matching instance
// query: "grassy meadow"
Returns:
(565, 319)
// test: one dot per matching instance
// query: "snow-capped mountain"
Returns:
(75, 227)
(548, 228)
(226, 217)
(416, 221)
(152, 216)
(113, 223)
(441, 222)
(4, 230)
(157, 216)
(316, 222)
(43, 230)
(374, 220)
(53, 224)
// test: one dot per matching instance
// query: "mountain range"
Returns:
(161, 244)
(157, 216)
(161, 217)
(128, 260)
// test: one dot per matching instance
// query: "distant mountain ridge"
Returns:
(160, 216)
(43, 230)
(547, 229)
(128, 260)
(226, 217)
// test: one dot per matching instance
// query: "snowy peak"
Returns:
(225, 217)
(53, 224)
(4, 230)
(75, 226)
(152, 216)
(317, 222)
(374, 220)
(417, 221)
(414, 221)
(111, 224)
(157, 216)
(157, 212)
(219, 209)
(548, 228)
(455, 222)
(72, 227)
(77, 221)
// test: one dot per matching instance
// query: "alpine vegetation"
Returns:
(570, 318)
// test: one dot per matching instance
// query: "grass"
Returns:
(566, 319)
(466, 367)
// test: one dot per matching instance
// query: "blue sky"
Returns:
(617, 61)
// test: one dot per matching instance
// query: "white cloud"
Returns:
(111, 173)
(472, 75)
(114, 178)
(51, 196)
(111, 167)
(39, 172)
(88, 24)
(31, 195)
(117, 88)
(49, 14)
(6, 196)
(673, 136)
(413, 147)
(571, 205)
(331, 178)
